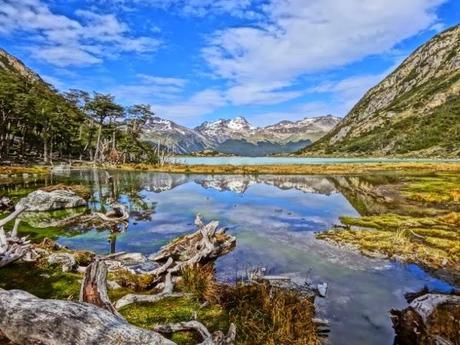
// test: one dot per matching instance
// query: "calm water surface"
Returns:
(274, 219)
(293, 160)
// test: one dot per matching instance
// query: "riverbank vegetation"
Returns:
(423, 229)
(300, 169)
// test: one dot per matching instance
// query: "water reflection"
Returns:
(273, 218)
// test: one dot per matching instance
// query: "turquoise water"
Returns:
(291, 160)
(274, 219)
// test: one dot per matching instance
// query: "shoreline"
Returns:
(296, 169)
(281, 169)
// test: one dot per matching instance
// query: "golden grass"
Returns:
(200, 282)
(8, 170)
(271, 316)
(293, 169)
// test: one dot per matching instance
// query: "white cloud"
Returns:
(307, 36)
(150, 88)
(64, 41)
(167, 81)
(166, 95)
(197, 8)
(199, 104)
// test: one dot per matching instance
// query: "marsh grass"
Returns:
(432, 242)
(9, 170)
(430, 236)
(303, 169)
(200, 282)
(443, 188)
(267, 315)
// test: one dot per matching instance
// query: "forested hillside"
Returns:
(39, 123)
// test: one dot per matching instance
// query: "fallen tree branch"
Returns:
(12, 248)
(217, 338)
(137, 298)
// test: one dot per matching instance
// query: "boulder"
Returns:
(49, 201)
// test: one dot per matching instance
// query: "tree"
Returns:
(101, 107)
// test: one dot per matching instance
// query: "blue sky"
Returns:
(198, 60)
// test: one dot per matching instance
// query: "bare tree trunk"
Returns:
(98, 143)
(94, 287)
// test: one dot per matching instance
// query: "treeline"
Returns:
(39, 123)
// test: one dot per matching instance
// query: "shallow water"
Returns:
(294, 160)
(274, 219)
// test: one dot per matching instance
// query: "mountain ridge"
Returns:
(238, 136)
(414, 111)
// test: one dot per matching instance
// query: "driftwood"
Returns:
(13, 248)
(137, 298)
(200, 247)
(26, 319)
(217, 338)
(428, 320)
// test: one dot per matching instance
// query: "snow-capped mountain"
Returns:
(309, 128)
(176, 137)
(222, 130)
(238, 136)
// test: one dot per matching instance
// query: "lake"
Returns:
(293, 160)
(274, 219)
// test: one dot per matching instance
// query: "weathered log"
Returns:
(217, 338)
(94, 287)
(201, 247)
(429, 319)
(137, 298)
(28, 320)
(204, 245)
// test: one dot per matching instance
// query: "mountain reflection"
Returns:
(162, 182)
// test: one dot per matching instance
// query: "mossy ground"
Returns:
(432, 241)
(41, 280)
(147, 315)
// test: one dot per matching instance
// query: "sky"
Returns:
(201, 60)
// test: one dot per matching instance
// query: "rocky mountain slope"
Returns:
(12, 64)
(238, 136)
(414, 111)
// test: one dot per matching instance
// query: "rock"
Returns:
(430, 319)
(322, 289)
(67, 261)
(5, 203)
(48, 201)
